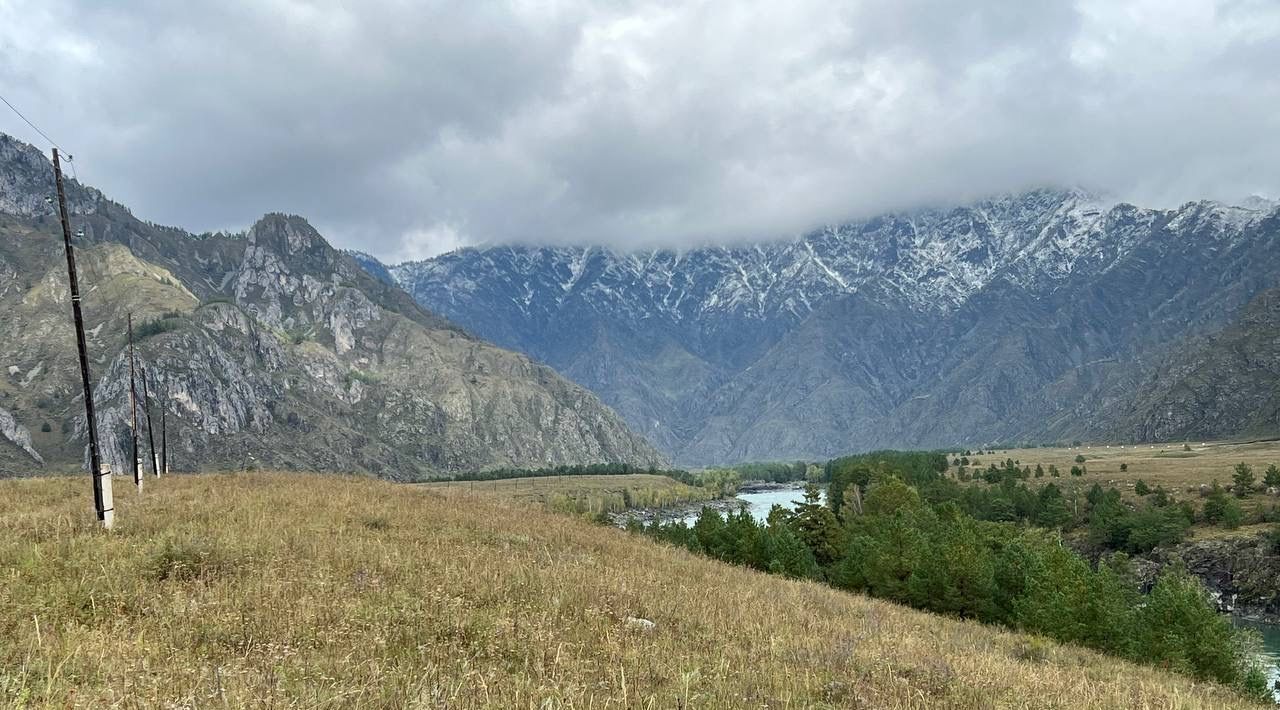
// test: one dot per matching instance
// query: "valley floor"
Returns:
(1182, 468)
(294, 590)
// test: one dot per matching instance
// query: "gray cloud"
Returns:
(408, 128)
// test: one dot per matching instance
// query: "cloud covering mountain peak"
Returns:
(405, 131)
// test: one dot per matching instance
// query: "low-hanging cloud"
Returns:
(407, 128)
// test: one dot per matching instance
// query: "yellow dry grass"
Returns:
(1167, 465)
(292, 590)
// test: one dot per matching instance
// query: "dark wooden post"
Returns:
(135, 463)
(101, 479)
(151, 432)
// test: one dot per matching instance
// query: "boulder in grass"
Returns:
(635, 623)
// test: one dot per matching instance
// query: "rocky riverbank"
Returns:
(647, 515)
(1242, 572)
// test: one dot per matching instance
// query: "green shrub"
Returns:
(1221, 510)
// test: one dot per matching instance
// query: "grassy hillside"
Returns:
(319, 591)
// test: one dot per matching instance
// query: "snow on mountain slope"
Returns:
(657, 333)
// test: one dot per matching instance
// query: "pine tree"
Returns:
(1272, 476)
(818, 527)
(1051, 508)
(1243, 479)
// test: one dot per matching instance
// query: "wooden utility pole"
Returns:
(151, 432)
(102, 502)
(164, 433)
(135, 462)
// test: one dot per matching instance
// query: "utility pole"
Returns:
(134, 461)
(102, 502)
(151, 432)
(164, 433)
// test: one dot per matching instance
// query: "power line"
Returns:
(29, 123)
(70, 159)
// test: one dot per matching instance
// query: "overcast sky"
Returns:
(408, 128)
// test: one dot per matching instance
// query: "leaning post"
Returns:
(100, 474)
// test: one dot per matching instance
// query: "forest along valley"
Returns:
(1211, 508)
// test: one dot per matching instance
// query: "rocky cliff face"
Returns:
(269, 349)
(1242, 572)
(1031, 317)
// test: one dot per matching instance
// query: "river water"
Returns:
(1270, 647)
(760, 503)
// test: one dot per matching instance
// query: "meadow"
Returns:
(1180, 471)
(297, 590)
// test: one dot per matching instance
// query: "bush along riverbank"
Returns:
(878, 535)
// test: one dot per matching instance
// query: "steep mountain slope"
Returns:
(1224, 384)
(270, 348)
(1011, 319)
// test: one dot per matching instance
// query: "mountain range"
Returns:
(266, 349)
(1047, 315)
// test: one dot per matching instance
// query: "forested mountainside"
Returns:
(269, 348)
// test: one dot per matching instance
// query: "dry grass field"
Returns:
(309, 591)
(1167, 465)
(581, 494)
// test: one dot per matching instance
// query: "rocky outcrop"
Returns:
(18, 435)
(1242, 572)
(27, 183)
(271, 349)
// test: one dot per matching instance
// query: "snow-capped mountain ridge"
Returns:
(933, 260)
(869, 333)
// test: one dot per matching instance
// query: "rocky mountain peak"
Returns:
(271, 348)
(287, 235)
(26, 180)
